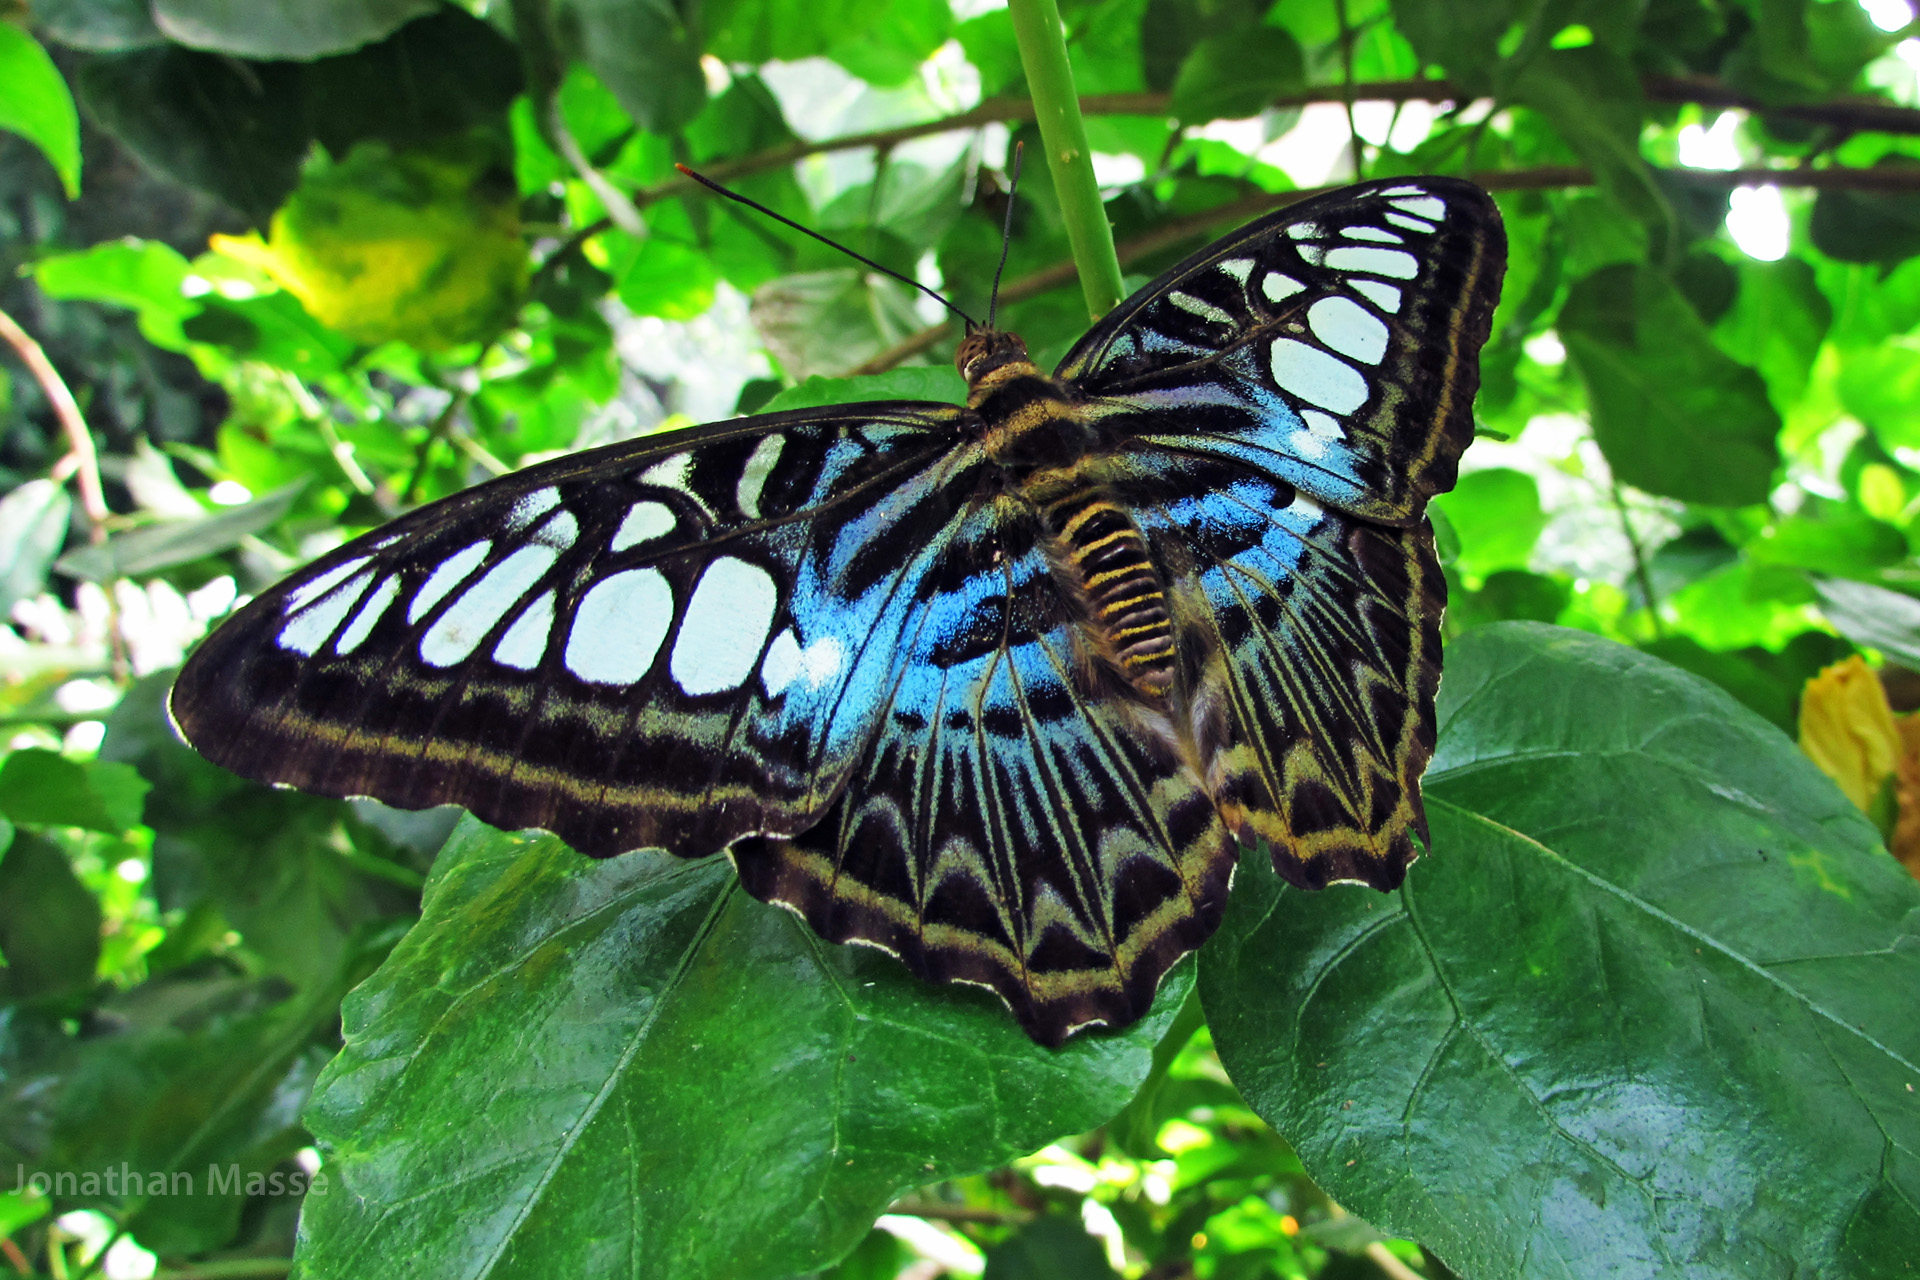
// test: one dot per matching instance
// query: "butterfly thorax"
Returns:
(1045, 438)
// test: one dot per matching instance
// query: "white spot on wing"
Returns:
(1371, 233)
(307, 592)
(676, 473)
(1349, 328)
(786, 662)
(526, 640)
(1314, 254)
(1304, 508)
(724, 626)
(1382, 295)
(753, 477)
(559, 533)
(1411, 224)
(456, 633)
(1323, 426)
(1279, 288)
(531, 507)
(1238, 268)
(618, 627)
(1308, 445)
(309, 630)
(1404, 191)
(645, 521)
(1316, 377)
(1424, 206)
(370, 614)
(1194, 306)
(1304, 231)
(1396, 263)
(452, 572)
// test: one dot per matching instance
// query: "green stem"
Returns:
(1043, 52)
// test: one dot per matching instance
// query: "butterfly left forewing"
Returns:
(658, 643)
(1333, 344)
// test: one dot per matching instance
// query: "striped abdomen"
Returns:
(1108, 555)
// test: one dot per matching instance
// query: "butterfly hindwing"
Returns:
(1328, 627)
(668, 642)
(1331, 345)
(1005, 827)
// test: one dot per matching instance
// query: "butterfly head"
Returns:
(984, 352)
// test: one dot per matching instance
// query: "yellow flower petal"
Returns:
(1846, 727)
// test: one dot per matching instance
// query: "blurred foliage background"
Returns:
(277, 272)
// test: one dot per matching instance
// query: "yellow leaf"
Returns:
(421, 246)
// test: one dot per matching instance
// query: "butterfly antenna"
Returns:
(1006, 235)
(737, 198)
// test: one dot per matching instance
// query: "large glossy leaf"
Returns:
(631, 1068)
(1646, 1010)
(644, 51)
(230, 129)
(1673, 414)
(283, 28)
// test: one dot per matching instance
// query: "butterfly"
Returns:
(1003, 689)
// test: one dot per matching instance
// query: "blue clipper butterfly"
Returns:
(1001, 688)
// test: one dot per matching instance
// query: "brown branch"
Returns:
(1854, 115)
(93, 499)
(1547, 177)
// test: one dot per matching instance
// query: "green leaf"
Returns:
(102, 26)
(623, 1038)
(1777, 322)
(193, 1079)
(44, 788)
(1592, 98)
(1880, 385)
(1865, 226)
(170, 542)
(19, 1210)
(1237, 74)
(1049, 1248)
(642, 50)
(990, 47)
(939, 383)
(144, 275)
(36, 104)
(49, 923)
(825, 322)
(1496, 514)
(1766, 682)
(298, 29)
(1671, 412)
(436, 76)
(889, 51)
(1463, 39)
(1873, 617)
(1656, 971)
(235, 131)
(282, 868)
(33, 525)
(1830, 537)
